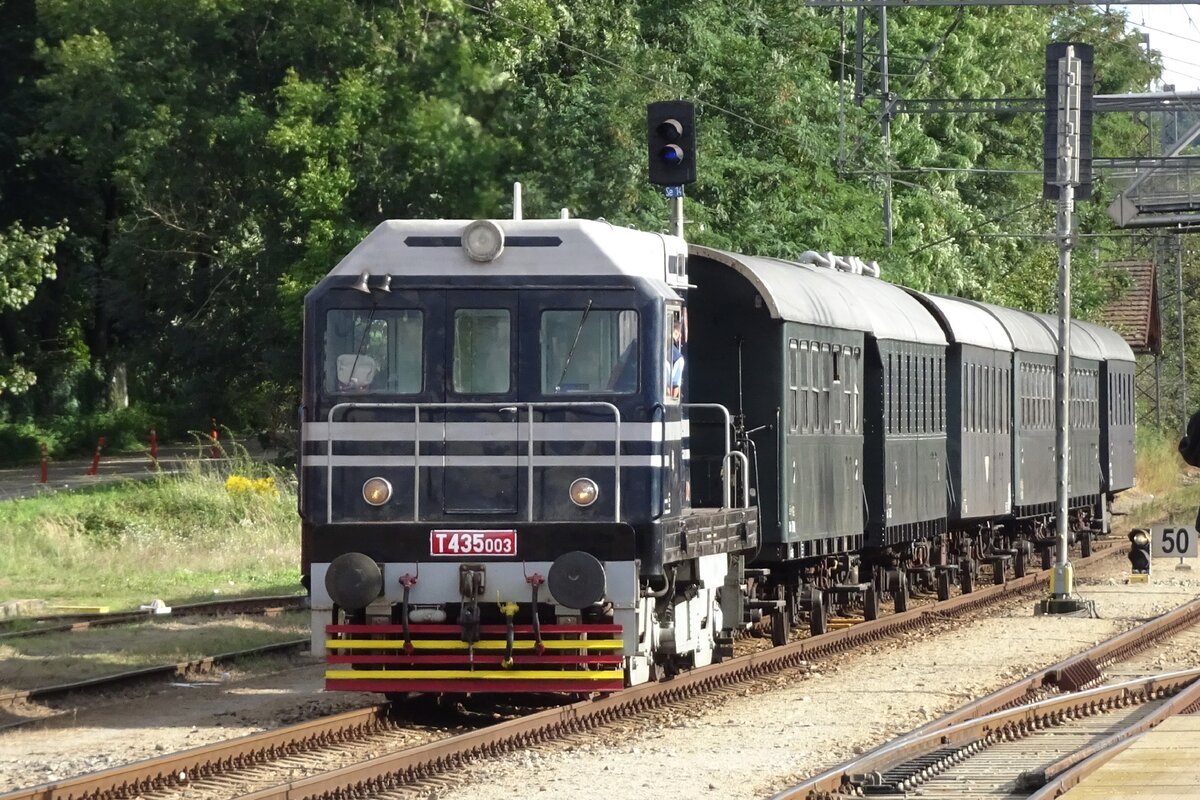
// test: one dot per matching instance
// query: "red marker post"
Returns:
(95, 467)
(216, 448)
(154, 446)
(45, 466)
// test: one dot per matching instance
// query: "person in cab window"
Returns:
(676, 361)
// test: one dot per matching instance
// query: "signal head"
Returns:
(671, 140)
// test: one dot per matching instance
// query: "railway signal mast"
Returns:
(1068, 153)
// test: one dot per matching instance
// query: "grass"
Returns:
(181, 538)
(1172, 488)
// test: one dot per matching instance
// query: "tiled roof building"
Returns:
(1134, 312)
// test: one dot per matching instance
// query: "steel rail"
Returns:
(973, 735)
(268, 606)
(415, 764)
(1072, 673)
(180, 769)
(1185, 699)
(204, 664)
(403, 768)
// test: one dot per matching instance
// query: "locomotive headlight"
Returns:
(584, 492)
(377, 491)
(483, 240)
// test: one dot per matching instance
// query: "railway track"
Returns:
(196, 666)
(1045, 731)
(1020, 751)
(393, 770)
(21, 627)
(266, 606)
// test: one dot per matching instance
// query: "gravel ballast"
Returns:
(745, 742)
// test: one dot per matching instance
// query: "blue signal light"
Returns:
(671, 154)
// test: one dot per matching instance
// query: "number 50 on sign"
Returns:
(1174, 542)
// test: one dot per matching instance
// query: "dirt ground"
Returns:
(739, 744)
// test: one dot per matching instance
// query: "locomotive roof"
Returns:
(1112, 343)
(1027, 333)
(1083, 343)
(532, 247)
(967, 323)
(826, 297)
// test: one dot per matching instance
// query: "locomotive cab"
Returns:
(494, 467)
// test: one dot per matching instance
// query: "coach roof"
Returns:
(1028, 335)
(1083, 343)
(1113, 345)
(832, 299)
(967, 323)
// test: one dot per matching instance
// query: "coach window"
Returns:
(482, 351)
(823, 376)
(378, 352)
(589, 353)
(837, 397)
(849, 386)
(794, 382)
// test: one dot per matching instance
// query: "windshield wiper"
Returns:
(567, 362)
(362, 341)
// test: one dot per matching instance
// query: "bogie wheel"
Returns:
(1019, 563)
(1047, 558)
(1085, 544)
(997, 570)
(966, 578)
(871, 603)
(900, 592)
(779, 627)
(818, 623)
(943, 584)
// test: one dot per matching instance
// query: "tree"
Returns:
(26, 259)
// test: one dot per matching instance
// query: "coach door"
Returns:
(480, 445)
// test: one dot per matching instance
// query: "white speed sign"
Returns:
(1174, 542)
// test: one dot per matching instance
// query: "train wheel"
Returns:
(966, 577)
(997, 570)
(871, 603)
(943, 584)
(1019, 562)
(818, 623)
(779, 627)
(1085, 544)
(900, 592)
(1047, 558)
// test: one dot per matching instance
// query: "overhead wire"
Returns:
(925, 60)
(973, 228)
(621, 67)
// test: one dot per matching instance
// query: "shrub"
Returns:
(21, 443)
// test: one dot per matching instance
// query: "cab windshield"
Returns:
(589, 351)
(378, 351)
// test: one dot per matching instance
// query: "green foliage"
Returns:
(26, 259)
(213, 160)
(125, 430)
(22, 443)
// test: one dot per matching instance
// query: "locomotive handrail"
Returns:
(738, 454)
(726, 488)
(419, 407)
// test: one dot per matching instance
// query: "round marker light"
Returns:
(483, 240)
(584, 492)
(377, 491)
(672, 154)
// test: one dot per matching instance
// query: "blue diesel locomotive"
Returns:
(566, 456)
